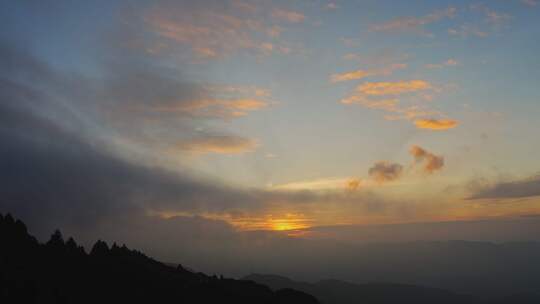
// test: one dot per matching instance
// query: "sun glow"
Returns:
(288, 223)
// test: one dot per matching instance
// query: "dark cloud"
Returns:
(385, 172)
(429, 161)
(57, 167)
(514, 189)
(53, 172)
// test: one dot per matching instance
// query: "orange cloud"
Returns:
(391, 105)
(430, 161)
(436, 124)
(384, 171)
(214, 32)
(413, 24)
(393, 88)
(218, 108)
(217, 102)
(353, 184)
(358, 74)
(218, 145)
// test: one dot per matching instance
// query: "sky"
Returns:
(303, 117)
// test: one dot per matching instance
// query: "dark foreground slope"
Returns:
(339, 292)
(61, 272)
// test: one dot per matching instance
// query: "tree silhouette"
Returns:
(61, 272)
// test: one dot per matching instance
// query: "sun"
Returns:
(289, 222)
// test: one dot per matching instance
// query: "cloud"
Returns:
(358, 74)
(384, 171)
(218, 145)
(436, 124)
(493, 21)
(393, 88)
(287, 15)
(217, 108)
(215, 30)
(429, 161)
(528, 187)
(69, 171)
(352, 56)
(492, 17)
(387, 96)
(530, 2)
(332, 6)
(467, 30)
(72, 173)
(353, 184)
(319, 184)
(152, 92)
(447, 63)
(413, 24)
(497, 18)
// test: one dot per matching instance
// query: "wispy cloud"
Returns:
(413, 24)
(359, 74)
(332, 5)
(210, 101)
(491, 16)
(467, 30)
(448, 63)
(492, 22)
(213, 32)
(387, 97)
(530, 2)
(337, 183)
(218, 145)
(393, 88)
(288, 15)
(218, 108)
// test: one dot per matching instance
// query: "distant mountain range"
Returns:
(339, 292)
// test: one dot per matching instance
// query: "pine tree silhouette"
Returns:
(61, 272)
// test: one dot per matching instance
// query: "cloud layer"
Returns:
(528, 187)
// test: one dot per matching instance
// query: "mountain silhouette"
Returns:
(339, 292)
(62, 272)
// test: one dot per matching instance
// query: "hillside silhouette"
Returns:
(339, 292)
(60, 271)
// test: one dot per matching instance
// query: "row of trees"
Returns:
(62, 271)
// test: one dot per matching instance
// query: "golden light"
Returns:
(289, 222)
